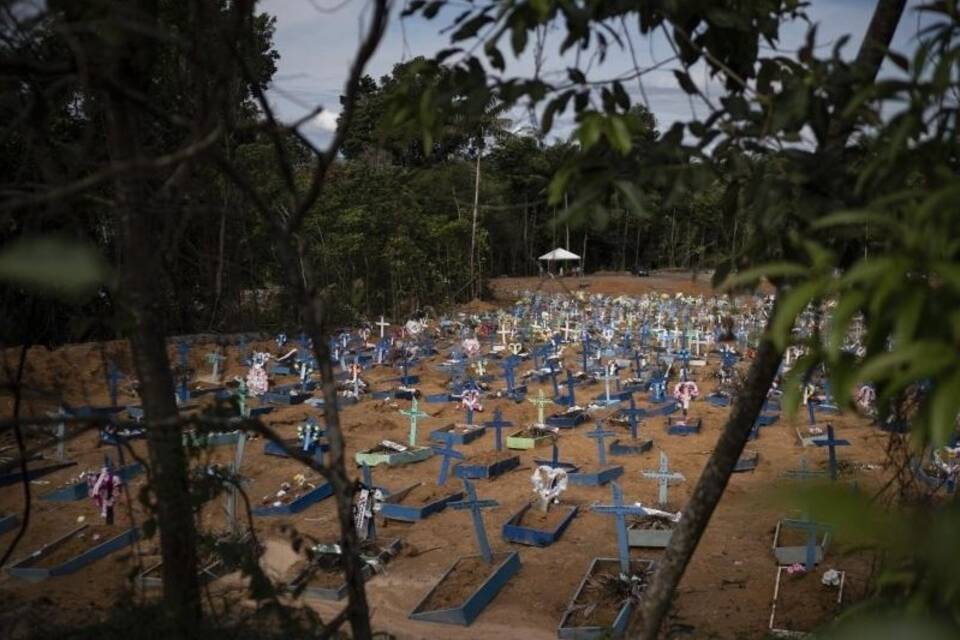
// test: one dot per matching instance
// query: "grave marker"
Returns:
(663, 476)
(620, 512)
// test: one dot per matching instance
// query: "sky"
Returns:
(317, 40)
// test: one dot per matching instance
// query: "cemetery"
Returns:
(479, 320)
(458, 527)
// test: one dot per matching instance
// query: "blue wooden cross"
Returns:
(183, 349)
(831, 443)
(498, 424)
(447, 451)
(811, 411)
(620, 512)
(113, 377)
(810, 528)
(508, 365)
(663, 476)
(632, 414)
(553, 379)
(475, 506)
(571, 393)
(585, 351)
(598, 434)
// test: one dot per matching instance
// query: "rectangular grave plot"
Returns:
(664, 409)
(466, 588)
(298, 504)
(595, 476)
(202, 440)
(8, 522)
(801, 603)
(594, 612)
(457, 433)
(676, 427)
(748, 461)
(271, 448)
(789, 544)
(80, 490)
(650, 532)
(532, 527)
(420, 503)
(567, 420)
(629, 447)
(480, 467)
(528, 439)
(152, 577)
(384, 455)
(329, 584)
(71, 553)
(33, 472)
(285, 399)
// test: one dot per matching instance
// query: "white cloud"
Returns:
(326, 120)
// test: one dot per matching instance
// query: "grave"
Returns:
(656, 527)
(684, 426)
(803, 591)
(471, 582)
(536, 523)
(73, 551)
(458, 433)
(491, 464)
(293, 497)
(80, 489)
(601, 473)
(321, 575)
(416, 502)
(394, 454)
(831, 443)
(635, 445)
(748, 461)
(611, 589)
(810, 552)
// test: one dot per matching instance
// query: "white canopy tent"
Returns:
(558, 255)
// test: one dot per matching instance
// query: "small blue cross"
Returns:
(831, 443)
(447, 452)
(620, 512)
(599, 434)
(475, 506)
(113, 377)
(632, 414)
(498, 424)
(183, 349)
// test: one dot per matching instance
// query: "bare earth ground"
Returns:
(726, 592)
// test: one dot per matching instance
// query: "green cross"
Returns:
(413, 413)
(540, 401)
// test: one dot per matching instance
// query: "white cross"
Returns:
(383, 325)
(504, 332)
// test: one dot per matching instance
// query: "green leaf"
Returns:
(576, 75)
(589, 130)
(54, 265)
(944, 407)
(619, 134)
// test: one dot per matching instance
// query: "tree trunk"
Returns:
(140, 220)
(474, 287)
(716, 474)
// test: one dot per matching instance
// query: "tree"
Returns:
(768, 102)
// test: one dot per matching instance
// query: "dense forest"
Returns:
(393, 229)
